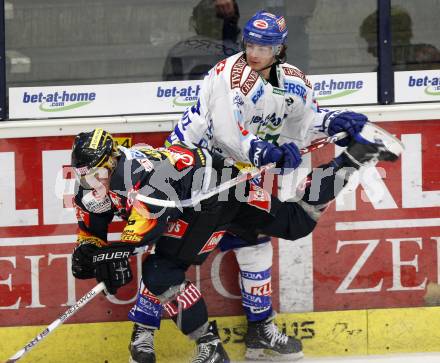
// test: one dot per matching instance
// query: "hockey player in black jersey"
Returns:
(110, 180)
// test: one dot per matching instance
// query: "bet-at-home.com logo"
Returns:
(182, 97)
(431, 84)
(330, 89)
(59, 101)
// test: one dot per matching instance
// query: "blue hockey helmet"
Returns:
(265, 28)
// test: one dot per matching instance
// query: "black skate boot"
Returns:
(141, 346)
(210, 348)
(373, 144)
(265, 342)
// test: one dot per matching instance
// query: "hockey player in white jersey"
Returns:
(258, 109)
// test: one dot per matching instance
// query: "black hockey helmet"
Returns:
(92, 150)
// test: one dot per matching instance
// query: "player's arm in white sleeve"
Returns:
(192, 127)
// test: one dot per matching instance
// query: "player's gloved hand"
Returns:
(82, 266)
(348, 121)
(108, 264)
(290, 159)
(263, 152)
(112, 266)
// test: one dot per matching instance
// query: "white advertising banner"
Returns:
(162, 97)
(102, 100)
(417, 86)
(345, 89)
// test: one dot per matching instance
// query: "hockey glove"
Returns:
(82, 266)
(290, 159)
(112, 267)
(263, 152)
(348, 121)
(107, 264)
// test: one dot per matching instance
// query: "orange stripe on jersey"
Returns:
(139, 223)
(86, 237)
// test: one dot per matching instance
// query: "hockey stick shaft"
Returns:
(55, 324)
(319, 143)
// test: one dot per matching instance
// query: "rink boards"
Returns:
(342, 333)
(364, 254)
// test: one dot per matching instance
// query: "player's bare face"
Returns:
(259, 56)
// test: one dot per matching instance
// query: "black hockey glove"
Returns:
(108, 264)
(82, 266)
(112, 267)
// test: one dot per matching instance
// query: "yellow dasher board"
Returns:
(339, 333)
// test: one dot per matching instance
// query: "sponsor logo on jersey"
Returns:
(96, 205)
(259, 198)
(262, 290)
(260, 24)
(329, 89)
(278, 91)
(212, 242)
(181, 96)
(60, 100)
(271, 119)
(176, 229)
(238, 100)
(237, 72)
(220, 66)
(296, 89)
(182, 158)
(431, 84)
(290, 71)
(249, 82)
(257, 94)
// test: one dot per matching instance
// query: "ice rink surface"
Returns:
(392, 358)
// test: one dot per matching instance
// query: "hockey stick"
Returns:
(319, 143)
(62, 318)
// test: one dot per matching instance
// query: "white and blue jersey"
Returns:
(236, 105)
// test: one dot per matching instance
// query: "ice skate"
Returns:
(373, 144)
(265, 342)
(141, 346)
(210, 348)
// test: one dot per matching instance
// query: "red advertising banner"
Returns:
(375, 247)
(379, 248)
(38, 232)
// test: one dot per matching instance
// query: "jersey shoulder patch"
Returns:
(237, 76)
(237, 72)
(291, 71)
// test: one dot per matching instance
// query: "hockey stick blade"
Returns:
(55, 324)
(319, 143)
